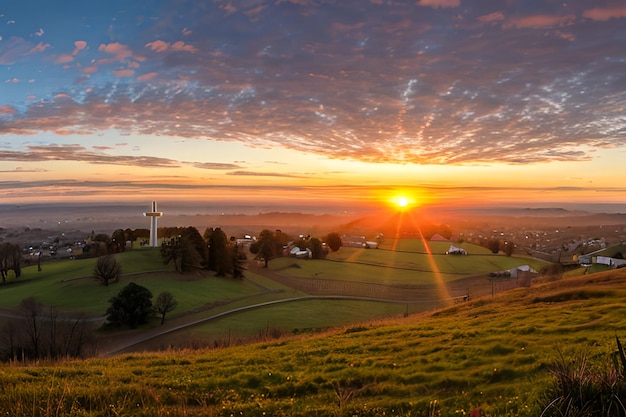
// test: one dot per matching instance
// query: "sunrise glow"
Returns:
(272, 105)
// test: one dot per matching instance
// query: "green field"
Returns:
(412, 265)
(491, 354)
(204, 299)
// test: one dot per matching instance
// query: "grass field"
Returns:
(411, 263)
(204, 299)
(491, 354)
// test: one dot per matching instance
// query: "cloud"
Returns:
(124, 73)
(7, 110)
(435, 4)
(394, 83)
(605, 13)
(14, 48)
(74, 152)
(491, 17)
(215, 165)
(263, 174)
(120, 53)
(541, 21)
(162, 46)
(23, 170)
(148, 76)
(79, 46)
(64, 59)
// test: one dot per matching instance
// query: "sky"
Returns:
(313, 103)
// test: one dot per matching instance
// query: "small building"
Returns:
(456, 251)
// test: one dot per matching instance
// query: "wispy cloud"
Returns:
(425, 82)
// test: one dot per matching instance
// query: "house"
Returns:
(456, 251)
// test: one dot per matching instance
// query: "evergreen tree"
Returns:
(220, 253)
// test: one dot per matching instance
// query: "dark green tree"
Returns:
(196, 242)
(107, 270)
(187, 250)
(265, 247)
(130, 307)
(493, 245)
(165, 302)
(238, 259)
(118, 241)
(333, 240)
(219, 253)
(10, 260)
(317, 249)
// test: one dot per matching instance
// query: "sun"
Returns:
(403, 202)
(403, 199)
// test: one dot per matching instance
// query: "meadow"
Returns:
(491, 354)
(69, 286)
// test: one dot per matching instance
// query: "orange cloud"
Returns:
(124, 73)
(40, 47)
(64, 59)
(79, 46)
(606, 13)
(541, 21)
(148, 76)
(119, 51)
(158, 46)
(435, 4)
(7, 109)
(491, 17)
(162, 46)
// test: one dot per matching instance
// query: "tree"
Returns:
(265, 247)
(196, 243)
(118, 241)
(493, 245)
(187, 249)
(33, 319)
(238, 258)
(10, 260)
(317, 249)
(333, 240)
(130, 307)
(171, 251)
(107, 269)
(218, 253)
(165, 303)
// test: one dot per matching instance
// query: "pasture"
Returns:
(222, 308)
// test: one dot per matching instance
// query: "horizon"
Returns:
(343, 104)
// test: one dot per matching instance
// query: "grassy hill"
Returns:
(491, 354)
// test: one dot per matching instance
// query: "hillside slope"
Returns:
(491, 354)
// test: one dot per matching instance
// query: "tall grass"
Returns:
(580, 389)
